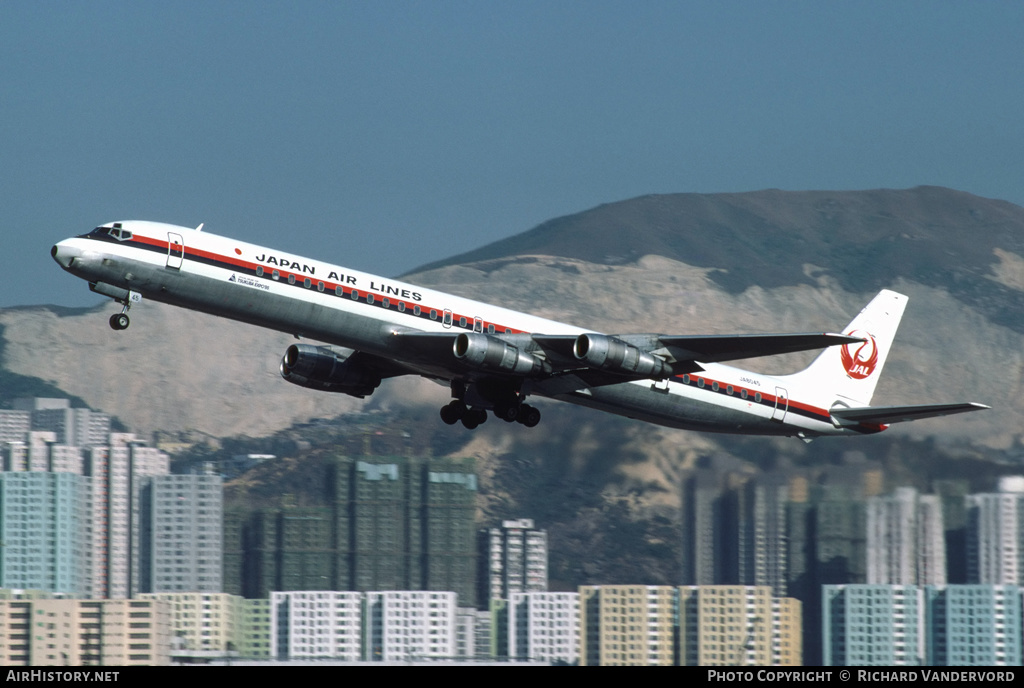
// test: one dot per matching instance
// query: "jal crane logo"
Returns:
(859, 358)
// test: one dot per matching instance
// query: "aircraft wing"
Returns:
(707, 348)
(899, 414)
(732, 347)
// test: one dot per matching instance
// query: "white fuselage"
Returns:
(343, 307)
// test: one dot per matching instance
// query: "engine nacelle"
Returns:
(322, 368)
(602, 352)
(490, 353)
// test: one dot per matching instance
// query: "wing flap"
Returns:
(900, 414)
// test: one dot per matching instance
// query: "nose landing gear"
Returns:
(125, 297)
(120, 321)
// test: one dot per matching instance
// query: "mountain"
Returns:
(864, 240)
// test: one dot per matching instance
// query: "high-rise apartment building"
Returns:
(118, 470)
(738, 625)
(628, 625)
(544, 626)
(708, 530)
(388, 523)
(516, 559)
(78, 427)
(763, 536)
(905, 539)
(974, 625)
(313, 624)
(873, 625)
(908, 625)
(69, 632)
(38, 450)
(409, 624)
(995, 534)
(14, 425)
(111, 467)
(181, 544)
(203, 625)
(43, 530)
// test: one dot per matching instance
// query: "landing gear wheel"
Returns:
(453, 412)
(528, 415)
(474, 417)
(507, 412)
(119, 321)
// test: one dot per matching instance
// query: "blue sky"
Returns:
(383, 135)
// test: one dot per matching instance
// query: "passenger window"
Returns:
(276, 274)
(259, 271)
(369, 297)
(401, 306)
(757, 397)
(291, 279)
(490, 329)
(700, 382)
(462, 321)
(416, 310)
(743, 394)
(339, 291)
(354, 295)
(307, 283)
(714, 386)
(729, 390)
(686, 379)
(433, 314)
(386, 302)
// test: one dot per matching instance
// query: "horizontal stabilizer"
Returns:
(900, 414)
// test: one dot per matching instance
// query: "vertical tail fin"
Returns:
(851, 371)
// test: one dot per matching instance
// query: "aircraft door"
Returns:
(781, 404)
(175, 251)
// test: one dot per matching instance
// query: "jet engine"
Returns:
(602, 352)
(490, 353)
(327, 370)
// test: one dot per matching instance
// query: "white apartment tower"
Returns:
(995, 534)
(905, 539)
(409, 624)
(118, 471)
(316, 624)
(517, 559)
(544, 626)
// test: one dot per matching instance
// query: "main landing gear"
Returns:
(471, 417)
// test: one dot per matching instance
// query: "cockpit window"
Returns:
(115, 232)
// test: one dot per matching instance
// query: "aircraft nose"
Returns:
(65, 254)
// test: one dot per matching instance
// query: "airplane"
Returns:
(371, 328)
